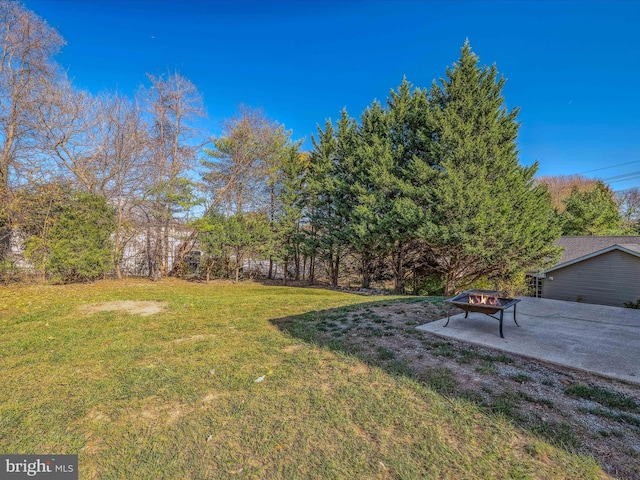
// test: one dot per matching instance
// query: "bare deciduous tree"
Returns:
(27, 45)
(561, 186)
(174, 104)
(68, 122)
(101, 144)
(123, 153)
(238, 169)
(241, 156)
(629, 201)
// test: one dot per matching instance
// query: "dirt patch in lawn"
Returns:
(574, 410)
(157, 412)
(193, 338)
(134, 307)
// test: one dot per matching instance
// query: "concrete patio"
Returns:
(595, 338)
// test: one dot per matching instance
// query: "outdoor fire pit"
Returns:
(483, 301)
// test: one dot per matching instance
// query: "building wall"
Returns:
(608, 279)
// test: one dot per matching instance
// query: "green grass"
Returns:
(520, 378)
(616, 416)
(559, 433)
(174, 395)
(440, 380)
(385, 354)
(446, 349)
(603, 396)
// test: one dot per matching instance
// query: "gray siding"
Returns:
(608, 279)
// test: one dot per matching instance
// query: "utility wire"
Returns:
(610, 166)
(625, 179)
(622, 176)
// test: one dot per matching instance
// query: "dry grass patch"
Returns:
(193, 338)
(144, 308)
(157, 411)
(292, 348)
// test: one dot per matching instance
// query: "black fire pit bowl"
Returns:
(495, 304)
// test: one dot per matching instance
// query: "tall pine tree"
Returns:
(329, 194)
(410, 180)
(488, 219)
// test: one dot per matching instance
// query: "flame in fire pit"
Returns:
(481, 299)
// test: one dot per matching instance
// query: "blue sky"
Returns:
(573, 67)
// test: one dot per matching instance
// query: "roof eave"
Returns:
(590, 255)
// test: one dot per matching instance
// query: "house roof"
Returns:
(579, 246)
(577, 249)
(632, 246)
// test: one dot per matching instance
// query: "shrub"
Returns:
(80, 240)
(635, 304)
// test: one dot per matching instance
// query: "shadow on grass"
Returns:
(377, 332)
(382, 333)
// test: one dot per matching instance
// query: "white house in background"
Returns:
(16, 252)
(594, 269)
(139, 251)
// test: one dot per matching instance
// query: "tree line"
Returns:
(586, 206)
(424, 190)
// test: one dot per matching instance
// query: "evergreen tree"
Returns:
(409, 183)
(247, 233)
(230, 240)
(488, 220)
(592, 212)
(284, 168)
(328, 192)
(289, 213)
(37, 208)
(212, 237)
(80, 242)
(391, 183)
(370, 167)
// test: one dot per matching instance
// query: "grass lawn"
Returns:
(176, 394)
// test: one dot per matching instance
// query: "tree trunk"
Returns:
(5, 227)
(312, 269)
(366, 270)
(335, 268)
(297, 264)
(304, 266)
(149, 255)
(238, 260)
(285, 271)
(165, 248)
(227, 265)
(270, 275)
(398, 269)
(449, 285)
(185, 247)
(117, 255)
(5, 239)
